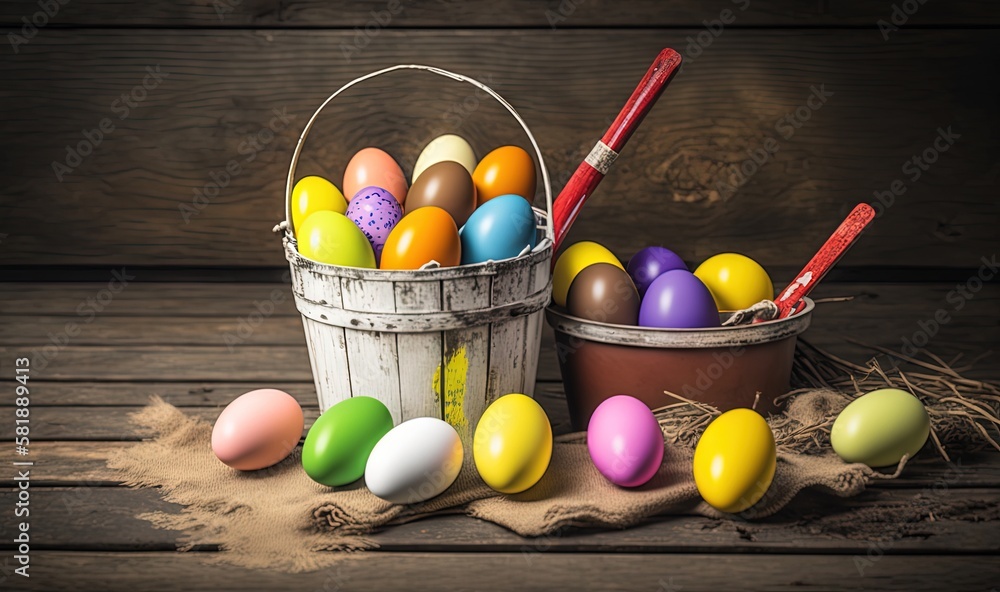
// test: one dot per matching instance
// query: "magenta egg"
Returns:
(625, 441)
(375, 211)
(678, 300)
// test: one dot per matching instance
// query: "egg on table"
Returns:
(313, 194)
(735, 460)
(329, 237)
(512, 445)
(338, 444)
(446, 185)
(499, 229)
(736, 281)
(257, 429)
(572, 261)
(880, 427)
(417, 460)
(374, 167)
(625, 441)
(678, 300)
(375, 212)
(424, 235)
(447, 147)
(506, 170)
(604, 293)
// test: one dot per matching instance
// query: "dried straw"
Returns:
(965, 413)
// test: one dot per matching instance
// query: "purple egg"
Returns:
(678, 300)
(625, 441)
(649, 264)
(375, 211)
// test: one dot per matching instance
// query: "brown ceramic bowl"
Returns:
(722, 366)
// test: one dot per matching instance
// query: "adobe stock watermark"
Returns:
(377, 21)
(249, 148)
(957, 298)
(31, 25)
(914, 168)
(899, 16)
(87, 310)
(929, 498)
(247, 325)
(122, 107)
(697, 45)
(735, 176)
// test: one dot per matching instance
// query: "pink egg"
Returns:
(258, 429)
(372, 166)
(625, 441)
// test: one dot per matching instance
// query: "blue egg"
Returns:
(499, 229)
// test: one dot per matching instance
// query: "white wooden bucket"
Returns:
(432, 342)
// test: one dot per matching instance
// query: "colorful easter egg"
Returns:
(572, 261)
(504, 171)
(374, 167)
(257, 429)
(736, 281)
(678, 300)
(650, 263)
(735, 460)
(499, 229)
(880, 427)
(337, 446)
(376, 212)
(313, 194)
(424, 235)
(329, 237)
(442, 148)
(602, 292)
(446, 185)
(512, 445)
(415, 461)
(625, 441)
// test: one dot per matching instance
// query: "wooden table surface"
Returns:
(170, 339)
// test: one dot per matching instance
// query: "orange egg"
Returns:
(508, 169)
(372, 167)
(424, 235)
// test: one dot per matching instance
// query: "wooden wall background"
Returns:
(230, 63)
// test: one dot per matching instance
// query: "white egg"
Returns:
(415, 461)
(446, 147)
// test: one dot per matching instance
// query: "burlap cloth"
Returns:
(279, 519)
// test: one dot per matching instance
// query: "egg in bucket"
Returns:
(423, 335)
(686, 342)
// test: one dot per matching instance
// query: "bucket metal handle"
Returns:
(286, 226)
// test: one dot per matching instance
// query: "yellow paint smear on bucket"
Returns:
(456, 372)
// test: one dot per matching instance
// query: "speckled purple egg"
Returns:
(375, 211)
(650, 263)
(678, 300)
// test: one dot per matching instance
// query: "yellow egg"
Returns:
(734, 460)
(513, 444)
(572, 261)
(313, 194)
(736, 281)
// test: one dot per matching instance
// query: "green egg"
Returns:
(878, 428)
(338, 444)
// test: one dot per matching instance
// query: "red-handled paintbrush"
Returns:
(590, 172)
(822, 262)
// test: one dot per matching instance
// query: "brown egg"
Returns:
(604, 293)
(447, 185)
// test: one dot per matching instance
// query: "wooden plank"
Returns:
(140, 298)
(82, 463)
(506, 13)
(420, 353)
(372, 357)
(181, 394)
(106, 518)
(889, 101)
(535, 571)
(230, 332)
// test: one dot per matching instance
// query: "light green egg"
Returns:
(878, 428)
